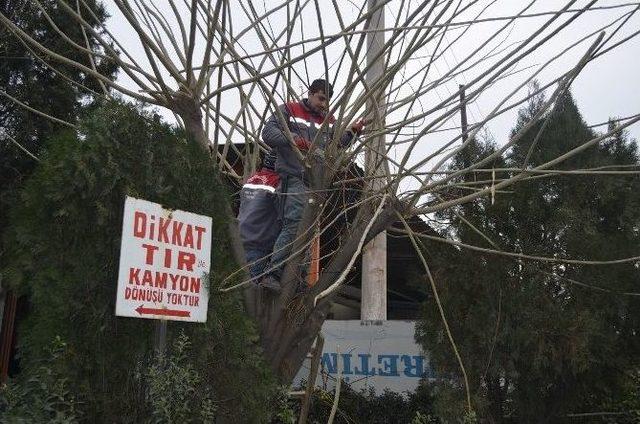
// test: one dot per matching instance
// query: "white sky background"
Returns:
(607, 87)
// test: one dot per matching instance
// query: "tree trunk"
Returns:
(189, 110)
(290, 322)
(191, 114)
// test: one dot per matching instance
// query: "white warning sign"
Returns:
(164, 263)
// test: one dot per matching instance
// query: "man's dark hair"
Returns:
(321, 85)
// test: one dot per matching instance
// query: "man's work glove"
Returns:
(358, 126)
(302, 143)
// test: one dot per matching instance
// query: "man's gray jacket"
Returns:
(303, 122)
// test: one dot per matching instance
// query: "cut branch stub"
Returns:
(189, 110)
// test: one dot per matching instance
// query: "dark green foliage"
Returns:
(368, 408)
(176, 390)
(540, 340)
(65, 242)
(24, 76)
(46, 396)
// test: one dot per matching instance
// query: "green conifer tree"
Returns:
(28, 78)
(539, 339)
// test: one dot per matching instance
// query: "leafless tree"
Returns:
(221, 67)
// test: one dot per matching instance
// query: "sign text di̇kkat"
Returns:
(164, 259)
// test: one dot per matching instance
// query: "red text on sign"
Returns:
(161, 280)
(167, 230)
(185, 260)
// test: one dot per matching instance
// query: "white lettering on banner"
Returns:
(164, 260)
(381, 356)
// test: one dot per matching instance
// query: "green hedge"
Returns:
(62, 251)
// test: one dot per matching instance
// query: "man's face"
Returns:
(319, 101)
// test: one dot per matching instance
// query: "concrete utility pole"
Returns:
(374, 255)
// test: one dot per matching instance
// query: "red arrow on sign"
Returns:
(167, 312)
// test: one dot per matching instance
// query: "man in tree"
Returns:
(258, 216)
(311, 126)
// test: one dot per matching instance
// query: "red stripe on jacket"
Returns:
(298, 110)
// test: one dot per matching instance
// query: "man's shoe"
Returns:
(271, 283)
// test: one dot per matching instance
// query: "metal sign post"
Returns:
(160, 337)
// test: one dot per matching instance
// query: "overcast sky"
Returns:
(607, 87)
